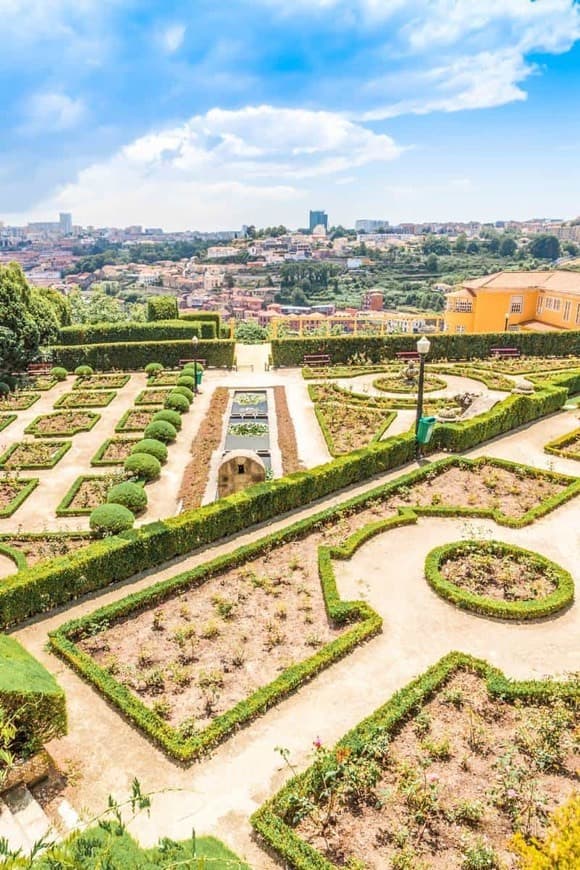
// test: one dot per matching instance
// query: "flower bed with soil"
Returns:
(208, 439)
(498, 579)
(164, 379)
(34, 454)
(395, 383)
(18, 401)
(102, 382)
(345, 371)
(87, 493)
(349, 427)
(42, 383)
(135, 420)
(13, 492)
(62, 423)
(114, 451)
(35, 547)
(441, 777)
(286, 433)
(86, 399)
(493, 380)
(529, 365)
(6, 420)
(152, 397)
(567, 445)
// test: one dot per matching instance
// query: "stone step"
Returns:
(68, 817)
(28, 814)
(12, 832)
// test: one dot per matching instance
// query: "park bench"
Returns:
(201, 362)
(500, 352)
(38, 369)
(316, 360)
(407, 354)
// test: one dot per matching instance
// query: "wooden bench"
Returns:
(39, 369)
(504, 352)
(316, 360)
(407, 354)
(201, 362)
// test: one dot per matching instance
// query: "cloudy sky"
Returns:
(199, 114)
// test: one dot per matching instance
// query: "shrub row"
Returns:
(163, 330)
(561, 597)
(130, 356)
(270, 821)
(559, 445)
(202, 317)
(117, 558)
(291, 351)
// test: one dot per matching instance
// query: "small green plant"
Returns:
(479, 856)
(422, 723)
(210, 630)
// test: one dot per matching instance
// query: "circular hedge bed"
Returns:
(395, 383)
(497, 579)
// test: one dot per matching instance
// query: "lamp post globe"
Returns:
(194, 341)
(423, 347)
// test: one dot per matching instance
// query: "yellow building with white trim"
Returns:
(512, 301)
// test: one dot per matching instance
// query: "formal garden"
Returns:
(367, 660)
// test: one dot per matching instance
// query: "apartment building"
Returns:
(513, 301)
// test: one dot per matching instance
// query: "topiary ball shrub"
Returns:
(176, 402)
(186, 381)
(110, 519)
(128, 494)
(4, 388)
(143, 466)
(153, 447)
(153, 368)
(59, 373)
(188, 370)
(184, 391)
(161, 430)
(172, 417)
(84, 371)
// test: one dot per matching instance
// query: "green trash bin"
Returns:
(425, 429)
(198, 376)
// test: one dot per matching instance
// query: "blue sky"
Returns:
(207, 115)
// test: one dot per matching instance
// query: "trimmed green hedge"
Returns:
(271, 820)
(201, 316)
(98, 457)
(111, 519)
(81, 399)
(446, 346)
(21, 496)
(558, 445)
(162, 308)
(561, 597)
(162, 330)
(6, 420)
(130, 356)
(32, 428)
(64, 509)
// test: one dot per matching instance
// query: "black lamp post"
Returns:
(423, 346)
(194, 341)
(507, 321)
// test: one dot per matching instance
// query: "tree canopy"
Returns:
(544, 247)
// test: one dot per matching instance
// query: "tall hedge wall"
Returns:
(161, 330)
(52, 583)
(128, 356)
(291, 351)
(201, 316)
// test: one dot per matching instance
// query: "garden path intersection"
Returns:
(218, 794)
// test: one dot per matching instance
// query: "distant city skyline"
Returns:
(213, 115)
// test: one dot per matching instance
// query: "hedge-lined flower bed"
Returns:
(395, 383)
(566, 445)
(114, 451)
(13, 492)
(399, 773)
(29, 548)
(86, 399)
(42, 383)
(497, 579)
(101, 382)
(6, 420)
(152, 397)
(350, 427)
(86, 493)
(493, 380)
(34, 454)
(18, 401)
(135, 420)
(62, 423)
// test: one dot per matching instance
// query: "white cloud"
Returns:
(172, 37)
(50, 112)
(220, 168)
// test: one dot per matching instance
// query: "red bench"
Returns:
(499, 352)
(407, 354)
(38, 369)
(316, 360)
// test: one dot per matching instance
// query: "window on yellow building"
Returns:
(460, 328)
(464, 305)
(566, 312)
(540, 305)
(516, 304)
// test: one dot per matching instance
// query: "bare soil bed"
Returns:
(164, 379)
(208, 438)
(91, 492)
(82, 398)
(136, 420)
(350, 426)
(18, 401)
(9, 490)
(102, 382)
(39, 548)
(453, 784)
(152, 397)
(505, 577)
(199, 653)
(286, 433)
(63, 423)
(32, 454)
(116, 451)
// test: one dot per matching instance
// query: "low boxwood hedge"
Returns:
(134, 355)
(560, 598)
(271, 822)
(99, 460)
(25, 488)
(34, 428)
(185, 381)
(59, 447)
(59, 373)
(177, 402)
(183, 391)
(7, 419)
(64, 508)
(83, 371)
(560, 446)
(161, 430)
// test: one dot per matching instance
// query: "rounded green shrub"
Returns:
(128, 494)
(172, 417)
(176, 402)
(161, 430)
(110, 519)
(186, 381)
(143, 465)
(4, 388)
(153, 447)
(11, 381)
(184, 391)
(84, 371)
(59, 373)
(188, 370)
(153, 368)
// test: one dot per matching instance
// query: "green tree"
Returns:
(571, 248)
(545, 247)
(508, 246)
(460, 243)
(432, 263)
(250, 332)
(472, 247)
(19, 332)
(436, 245)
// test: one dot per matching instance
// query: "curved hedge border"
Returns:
(558, 445)
(493, 380)
(560, 598)
(440, 385)
(62, 448)
(74, 401)
(20, 496)
(98, 457)
(130, 356)
(6, 420)
(31, 429)
(15, 555)
(296, 853)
